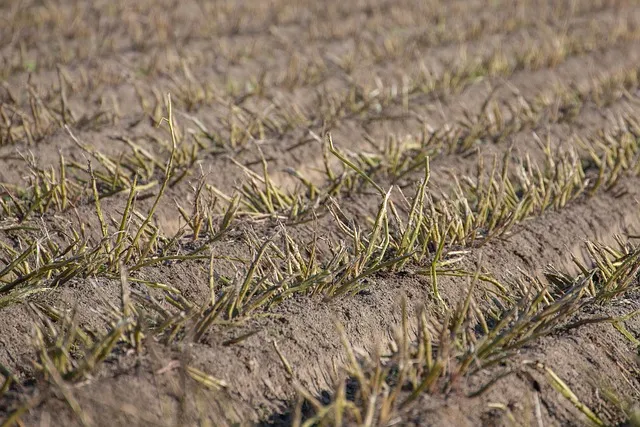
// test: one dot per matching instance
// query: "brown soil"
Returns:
(267, 81)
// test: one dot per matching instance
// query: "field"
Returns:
(371, 212)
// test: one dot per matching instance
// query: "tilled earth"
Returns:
(343, 212)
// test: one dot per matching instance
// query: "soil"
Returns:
(263, 78)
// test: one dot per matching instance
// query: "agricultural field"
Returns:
(297, 213)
